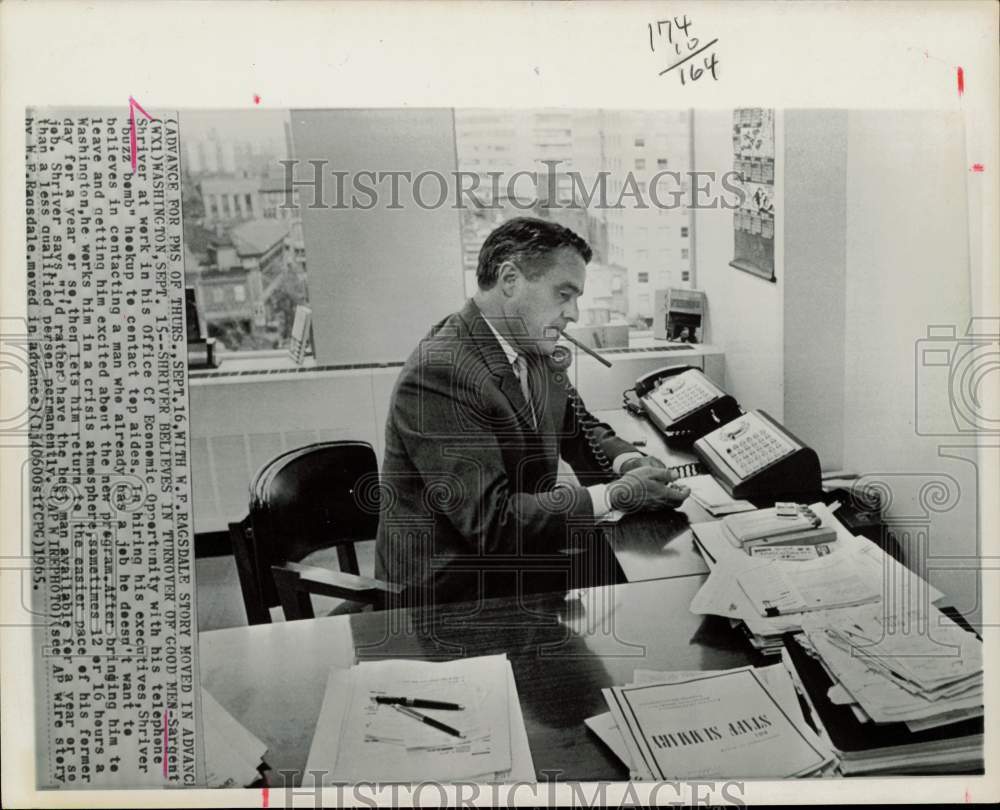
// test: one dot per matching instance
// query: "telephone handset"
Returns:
(754, 456)
(684, 404)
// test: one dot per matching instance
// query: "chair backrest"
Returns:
(318, 496)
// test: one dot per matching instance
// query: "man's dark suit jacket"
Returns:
(469, 502)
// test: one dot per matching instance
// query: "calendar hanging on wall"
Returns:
(753, 221)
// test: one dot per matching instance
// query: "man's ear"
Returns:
(508, 278)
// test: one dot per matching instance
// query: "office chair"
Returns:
(323, 495)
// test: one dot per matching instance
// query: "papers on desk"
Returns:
(780, 587)
(911, 682)
(769, 596)
(358, 739)
(232, 754)
(738, 723)
(713, 498)
(899, 676)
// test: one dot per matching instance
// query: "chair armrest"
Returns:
(313, 574)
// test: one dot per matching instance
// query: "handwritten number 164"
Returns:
(695, 72)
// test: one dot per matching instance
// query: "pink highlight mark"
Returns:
(263, 796)
(134, 105)
(961, 81)
(166, 739)
(978, 167)
(968, 796)
(256, 99)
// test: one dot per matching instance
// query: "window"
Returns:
(637, 251)
(228, 202)
(685, 275)
(684, 253)
(684, 232)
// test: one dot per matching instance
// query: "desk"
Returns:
(272, 677)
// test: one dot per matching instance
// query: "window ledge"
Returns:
(244, 368)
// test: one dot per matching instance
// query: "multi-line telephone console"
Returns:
(751, 454)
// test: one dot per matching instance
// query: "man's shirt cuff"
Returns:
(619, 461)
(599, 499)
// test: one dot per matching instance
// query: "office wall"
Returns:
(907, 269)
(815, 207)
(745, 316)
(874, 231)
(378, 278)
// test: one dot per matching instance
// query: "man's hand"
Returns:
(645, 489)
(642, 461)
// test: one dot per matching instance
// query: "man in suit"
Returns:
(479, 418)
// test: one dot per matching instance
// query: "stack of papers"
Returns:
(911, 681)
(718, 724)
(786, 525)
(360, 739)
(780, 587)
(770, 595)
(707, 492)
(232, 754)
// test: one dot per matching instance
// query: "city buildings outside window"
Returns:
(244, 251)
(245, 255)
(590, 144)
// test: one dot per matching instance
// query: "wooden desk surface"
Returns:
(272, 677)
(660, 545)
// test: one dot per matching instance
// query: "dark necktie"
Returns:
(520, 366)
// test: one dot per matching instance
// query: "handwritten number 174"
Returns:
(681, 25)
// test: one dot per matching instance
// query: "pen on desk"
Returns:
(587, 349)
(418, 703)
(430, 721)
